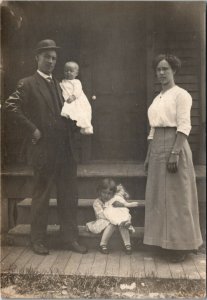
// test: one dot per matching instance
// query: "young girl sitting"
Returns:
(76, 105)
(106, 191)
(116, 210)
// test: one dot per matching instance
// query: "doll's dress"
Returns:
(116, 215)
(78, 110)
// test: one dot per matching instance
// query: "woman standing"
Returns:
(171, 213)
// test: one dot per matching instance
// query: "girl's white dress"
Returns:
(78, 110)
(117, 215)
(101, 222)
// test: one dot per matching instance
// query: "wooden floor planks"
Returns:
(73, 264)
(5, 251)
(9, 262)
(200, 264)
(99, 265)
(60, 263)
(113, 262)
(125, 265)
(162, 267)
(116, 263)
(86, 263)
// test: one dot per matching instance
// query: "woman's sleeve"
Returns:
(183, 108)
(151, 133)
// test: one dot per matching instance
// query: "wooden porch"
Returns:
(141, 264)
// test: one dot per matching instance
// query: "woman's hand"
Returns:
(146, 162)
(172, 165)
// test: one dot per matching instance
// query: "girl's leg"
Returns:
(125, 235)
(126, 239)
(109, 230)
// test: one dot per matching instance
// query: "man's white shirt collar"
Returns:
(45, 76)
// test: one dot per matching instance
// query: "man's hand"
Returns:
(36, 136)
(117, 204)
(172, 165)
(71, 99)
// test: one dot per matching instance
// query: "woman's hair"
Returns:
(107, 183)
(172, 60)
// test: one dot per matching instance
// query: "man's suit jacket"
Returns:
(31, 105)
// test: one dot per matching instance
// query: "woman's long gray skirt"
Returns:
(171, 211)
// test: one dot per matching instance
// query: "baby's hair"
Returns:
(173, 61)
(107, 183)
(72, 62)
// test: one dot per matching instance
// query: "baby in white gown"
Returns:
(76, 105)
(116, 209)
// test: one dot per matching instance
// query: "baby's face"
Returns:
(106, 195)
(71, 71)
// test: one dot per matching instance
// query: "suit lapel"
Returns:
(58, 88)
(44, 91)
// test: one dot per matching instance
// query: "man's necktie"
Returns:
(54, 93)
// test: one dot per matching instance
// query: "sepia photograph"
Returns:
(103, 149)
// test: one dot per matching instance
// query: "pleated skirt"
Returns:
(171, 209)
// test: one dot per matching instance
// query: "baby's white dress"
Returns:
(116, 215)
(80, 109)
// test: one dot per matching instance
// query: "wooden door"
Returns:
(113, 58)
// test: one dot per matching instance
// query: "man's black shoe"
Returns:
(39, 248)
(75, 246)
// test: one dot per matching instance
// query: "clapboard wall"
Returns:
(172, 27)
(177, 30)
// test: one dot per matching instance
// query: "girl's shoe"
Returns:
(103, 249)
(128, 249)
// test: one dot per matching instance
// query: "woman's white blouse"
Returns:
(171, 109)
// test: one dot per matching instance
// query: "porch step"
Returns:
(17, 181)
(20, 236)
(85, 212)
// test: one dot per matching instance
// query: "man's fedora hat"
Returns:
(46, 45)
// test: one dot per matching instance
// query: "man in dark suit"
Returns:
(36, 104)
